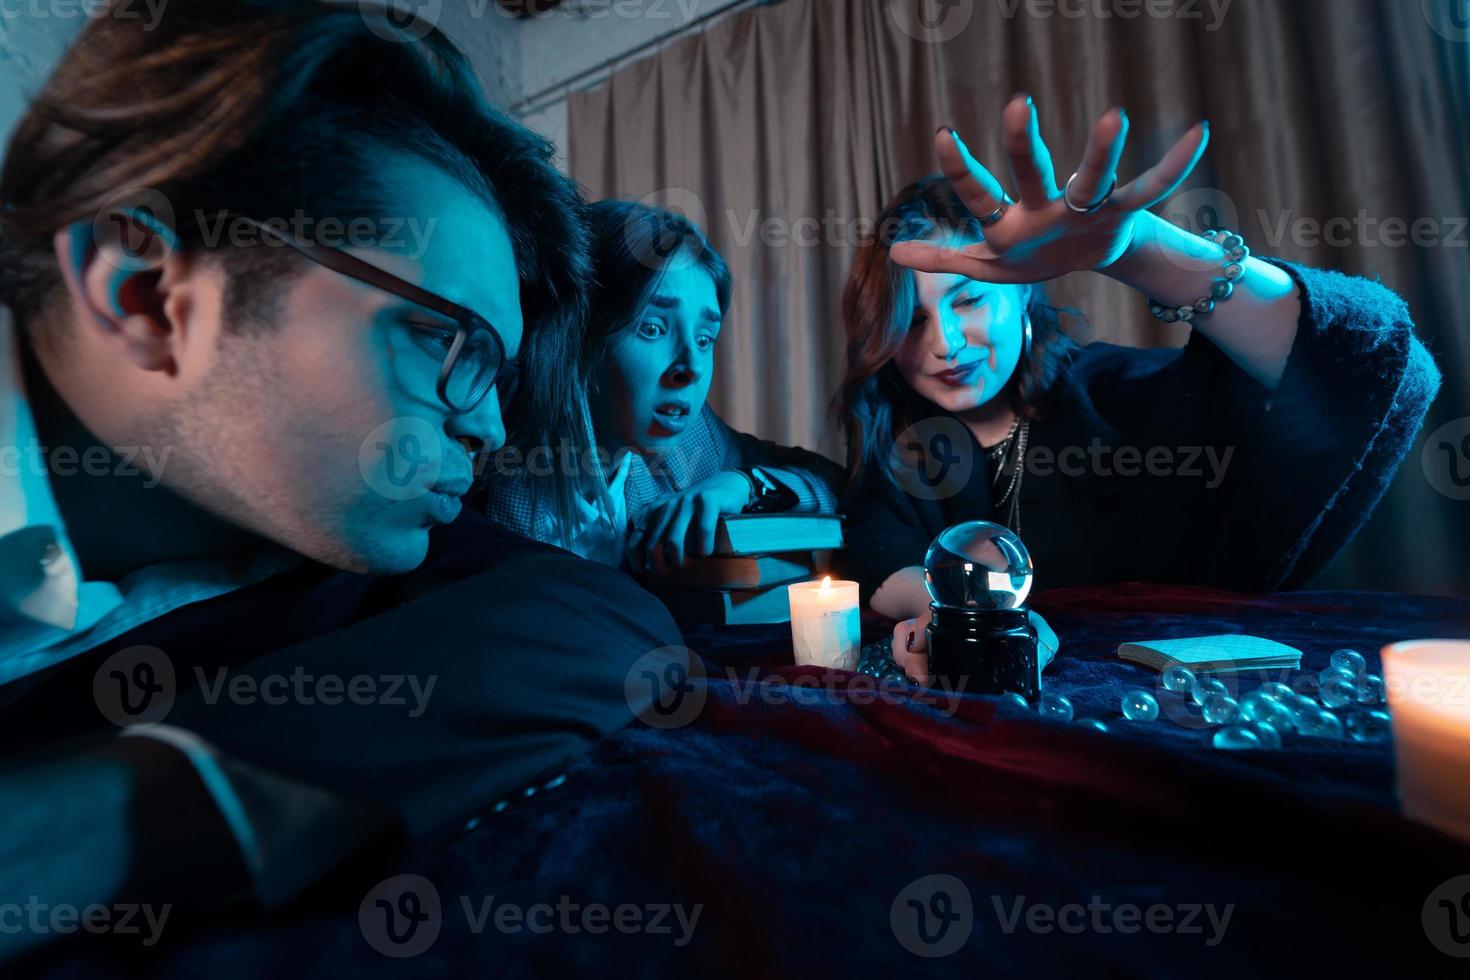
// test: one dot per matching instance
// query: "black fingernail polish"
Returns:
(910, 644)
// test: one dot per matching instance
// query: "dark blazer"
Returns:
(1172, 465)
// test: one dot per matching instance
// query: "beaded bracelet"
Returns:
(1236, 253)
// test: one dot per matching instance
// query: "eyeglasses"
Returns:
(475, 360)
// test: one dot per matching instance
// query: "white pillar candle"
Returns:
(826, 629)
(1428, 688)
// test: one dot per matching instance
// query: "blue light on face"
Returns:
(658, 373)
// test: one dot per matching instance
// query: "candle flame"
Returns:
(826, 582)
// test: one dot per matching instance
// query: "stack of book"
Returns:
(744, 581)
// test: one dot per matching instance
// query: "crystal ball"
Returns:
(978, 565)
(1179, 679)
(1012, 698)
(1054, 707)
(1140, 706)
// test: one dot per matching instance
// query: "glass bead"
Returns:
(1238, 253)
(1203, 306)
(1233, 241)
(1012, 698)
(1250, 704)
(1221, 709)
(1370, 689)
(1179, 679)
(1236, 737)
(1092, 723)
(1269, 735)
(1349, 660)
(1169, 316)
(1140, 706)
(1277, 691)
(1234, 271)
(1186, 313)
(1222, 289)
(1329, 673)
(1258, 707)
(1054, 707)
(1368, 726)
(1206, 687)
(1320, 724)
(1338, 691)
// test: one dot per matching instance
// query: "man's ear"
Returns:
(129, 277)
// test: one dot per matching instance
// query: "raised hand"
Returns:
(1040, 237)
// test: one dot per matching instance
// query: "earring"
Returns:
(1025, 335)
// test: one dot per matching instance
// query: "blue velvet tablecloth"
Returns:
(817, 830)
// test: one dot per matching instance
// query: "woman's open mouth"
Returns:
(673, 416)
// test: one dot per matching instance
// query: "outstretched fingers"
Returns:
(1163, 178)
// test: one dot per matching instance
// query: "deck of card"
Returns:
(1229, 654)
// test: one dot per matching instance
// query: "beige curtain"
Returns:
(783, 128)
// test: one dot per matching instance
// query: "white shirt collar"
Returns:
(39, 577)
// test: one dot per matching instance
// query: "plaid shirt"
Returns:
(708, 447)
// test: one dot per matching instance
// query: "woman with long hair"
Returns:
(1244, 460)
(667, 465)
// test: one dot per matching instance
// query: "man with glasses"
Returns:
(246, 632)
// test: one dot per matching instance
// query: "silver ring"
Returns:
(997, 214)
(1091, 208)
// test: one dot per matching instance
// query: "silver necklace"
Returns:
(1003, 454)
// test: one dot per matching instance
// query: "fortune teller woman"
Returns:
(1244, 460)
(670, 466)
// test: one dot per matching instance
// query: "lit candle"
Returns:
(1428, 687)
(826, 629)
